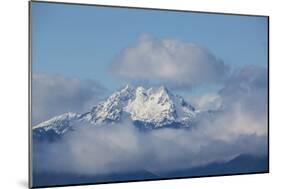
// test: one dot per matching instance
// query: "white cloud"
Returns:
(56, 94)
(170, 61)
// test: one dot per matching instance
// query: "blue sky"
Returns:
(83, 41)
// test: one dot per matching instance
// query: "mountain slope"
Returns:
(146, 108)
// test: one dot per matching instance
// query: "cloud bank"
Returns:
(123, 149)
(171, 61)
(56, 94)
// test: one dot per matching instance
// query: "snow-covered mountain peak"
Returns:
(153, 107)
(163, 89)
(140, 90)
(159, 107)
(126, 90)
(110, 110)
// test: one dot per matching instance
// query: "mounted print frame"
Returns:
(122, 94)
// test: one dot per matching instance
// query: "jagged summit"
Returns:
(159, 107)
(153, 107)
